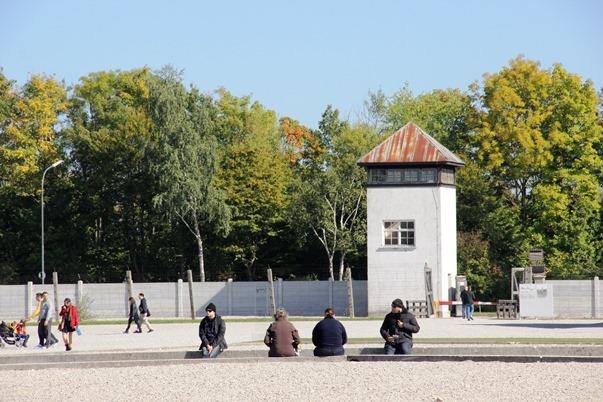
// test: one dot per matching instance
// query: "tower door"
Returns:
(428, 290)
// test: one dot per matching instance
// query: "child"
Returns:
(21, 333)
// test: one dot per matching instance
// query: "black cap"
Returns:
(397, 303)
(211, 307)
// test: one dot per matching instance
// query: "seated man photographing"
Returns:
(211, 331)
(397, 329)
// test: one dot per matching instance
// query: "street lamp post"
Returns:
(57, 163)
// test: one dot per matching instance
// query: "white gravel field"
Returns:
(314, 381)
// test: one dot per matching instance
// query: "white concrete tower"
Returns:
(411, 218)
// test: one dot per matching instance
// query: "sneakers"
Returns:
(150, 330)
(125, 332)
(138, 332)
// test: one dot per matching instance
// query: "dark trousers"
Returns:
(324, 352)
(41, 332)
(136, 320)
(45, 333)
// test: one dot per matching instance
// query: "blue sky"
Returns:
(298, 57)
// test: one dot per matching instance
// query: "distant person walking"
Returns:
(69, 322)
(145, 313)
(281, 336)
(211, 331)
(45, 322)
(397, 329)
(329, 336)
(133, 316)
(467, 298)
(36, 314)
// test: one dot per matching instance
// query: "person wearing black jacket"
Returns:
(144, 312)
(467, 298)
(133, 316)
(329, 336)
(211, 331)
(397, 329)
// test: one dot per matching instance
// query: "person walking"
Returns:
(329, 336)
(467, 298)
(211, 331)
(69, 322)
(36, 314)
(397, 329)
(281, 336)
(45, 322)
(145, 313)
(133, 316)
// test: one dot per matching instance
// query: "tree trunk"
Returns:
(201, 263)
(341, 265)
(331, 274)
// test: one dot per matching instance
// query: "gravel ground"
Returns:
(315, 381)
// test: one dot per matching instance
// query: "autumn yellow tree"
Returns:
(28, 141)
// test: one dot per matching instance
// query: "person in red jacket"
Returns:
(69, 322)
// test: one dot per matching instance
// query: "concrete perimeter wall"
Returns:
(577, 299)
(171, 299)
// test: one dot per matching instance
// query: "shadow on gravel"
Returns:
(545, 325)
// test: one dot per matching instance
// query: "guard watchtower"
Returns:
(411, 217)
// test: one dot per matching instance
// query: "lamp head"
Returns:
(57, 163)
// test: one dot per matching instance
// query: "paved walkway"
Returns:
(239, 335)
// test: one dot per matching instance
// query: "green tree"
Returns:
(330, 198)
(185, 159)
(538, 142)
(28, 140)
(108, 133)
(255, 175)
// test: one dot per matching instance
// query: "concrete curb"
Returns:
(477, 358)
(255, 360)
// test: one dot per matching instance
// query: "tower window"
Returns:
(399, 233)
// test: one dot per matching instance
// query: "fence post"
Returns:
(129, 290)
(229, 290)
(271, 284)
(350, 293)
(189, 275)
(281, 293)
(79, 292)
(331, 292)
(55, 287)
(28, 297)
(129, 283)
(179, 305)
(596, 298)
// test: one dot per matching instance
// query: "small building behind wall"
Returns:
(411, 217)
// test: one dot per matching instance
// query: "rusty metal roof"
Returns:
(410, 145)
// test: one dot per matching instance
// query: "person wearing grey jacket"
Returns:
(45, 322)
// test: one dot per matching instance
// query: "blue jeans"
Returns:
(214, 352)
(403, 348)
(470, 311)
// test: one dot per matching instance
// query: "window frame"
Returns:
(399, 232)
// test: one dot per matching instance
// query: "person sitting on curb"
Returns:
(281, 336)
(397, 329)
(21, 333)
(329, 336)
(211, 331)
